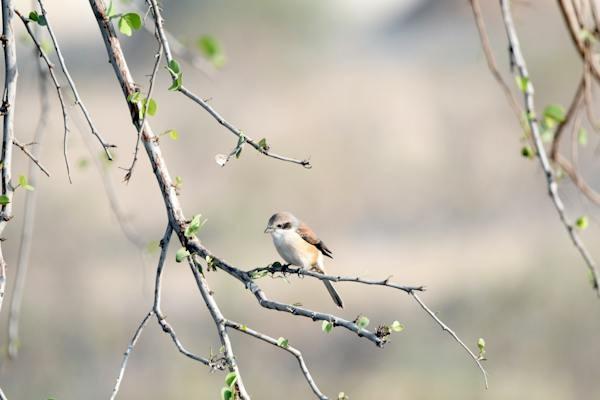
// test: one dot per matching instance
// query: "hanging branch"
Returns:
(78, 101)
(518, 62)
(260, 146)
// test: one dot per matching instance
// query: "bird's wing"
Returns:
(311, 237)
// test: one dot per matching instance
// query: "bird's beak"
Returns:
(269, 229)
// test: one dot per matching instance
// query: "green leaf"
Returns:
(396, 326)
(226, 394)
(327, 326)
(181, 254)
(110, 11)
(481, 347)
(582, 222)
(4, 200)
(178, 181)
(173, 134)
(362, 321)
(522, 83)
(133, 19)
(586, 36)
(283, 342)
(33, 16)
(527, 152)
(29, 188)
(152, 107)
(211, 49)
(259, 274)
(22, 180)
(177, 83)
(39, 18)
(582, 136)
(174, 67)
(555, 112)
(262, 144)
(230, 379)
(125, 27)
(194, 226)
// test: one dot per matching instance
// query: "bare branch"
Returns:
(263, 149)
(78, 100)
(59, 93)
(519, 62)
(32, 157)
(130, 347)
(290, 349)
(28, 216)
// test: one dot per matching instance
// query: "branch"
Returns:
(78, 100)
(243, 138)
(32, 157)
(28, 217)
(518, 61)
(59, 93)
(292, 350)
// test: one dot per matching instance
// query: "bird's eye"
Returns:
(279, 225)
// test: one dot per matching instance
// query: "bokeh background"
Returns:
(417, 174)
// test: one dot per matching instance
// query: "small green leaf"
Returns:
(178, 181)
(342, 396)
(327, 326)
(262, 144)
(29, 188)
(194, 226)
(230, 379)
(259, 274)
(173, 134)
(586, 36)
(582, 136)
(362, 321)
(33, 16)
(481, 347)
(555, 112)
(582, 222)
(175, 70)
(110, 11)
(226, 394)
(4, 200)
(22, 180)
(522, 83)
(174, 67)
(181, 254)
(527, 152)
(210, 48)
(39, 18)
(134, 20)
(152, 107)
(283, 342)
(396, 326)
(124, 27)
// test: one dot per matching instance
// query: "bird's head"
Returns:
(280, 222)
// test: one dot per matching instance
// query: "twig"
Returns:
(145, 112)
(32, 157)
(451, 333)
(57, 85)
(28, 218)
(219, 320)
(579, 95)
(518, 61)
(78, 100)
(290, 349)
(130, 348)
(167, 50)
(491, 60)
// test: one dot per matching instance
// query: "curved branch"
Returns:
(519, 62)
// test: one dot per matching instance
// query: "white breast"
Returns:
(295, 250)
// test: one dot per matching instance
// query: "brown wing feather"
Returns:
(311, 237)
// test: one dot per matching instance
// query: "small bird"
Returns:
(298, 245)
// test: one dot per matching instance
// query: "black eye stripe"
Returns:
(287, 225)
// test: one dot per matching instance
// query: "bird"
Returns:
(298, 245)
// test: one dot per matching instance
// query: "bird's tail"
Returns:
(334, 295)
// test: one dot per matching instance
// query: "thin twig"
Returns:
(491, 60)
(78, 101)
(32, 157)
(130, 347)
(28, 216)
(290, 349)
(145, 112)
(518, 61)
(57, 85)
(453, 334)
(263, 149)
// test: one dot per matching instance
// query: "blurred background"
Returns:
(417, 174)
